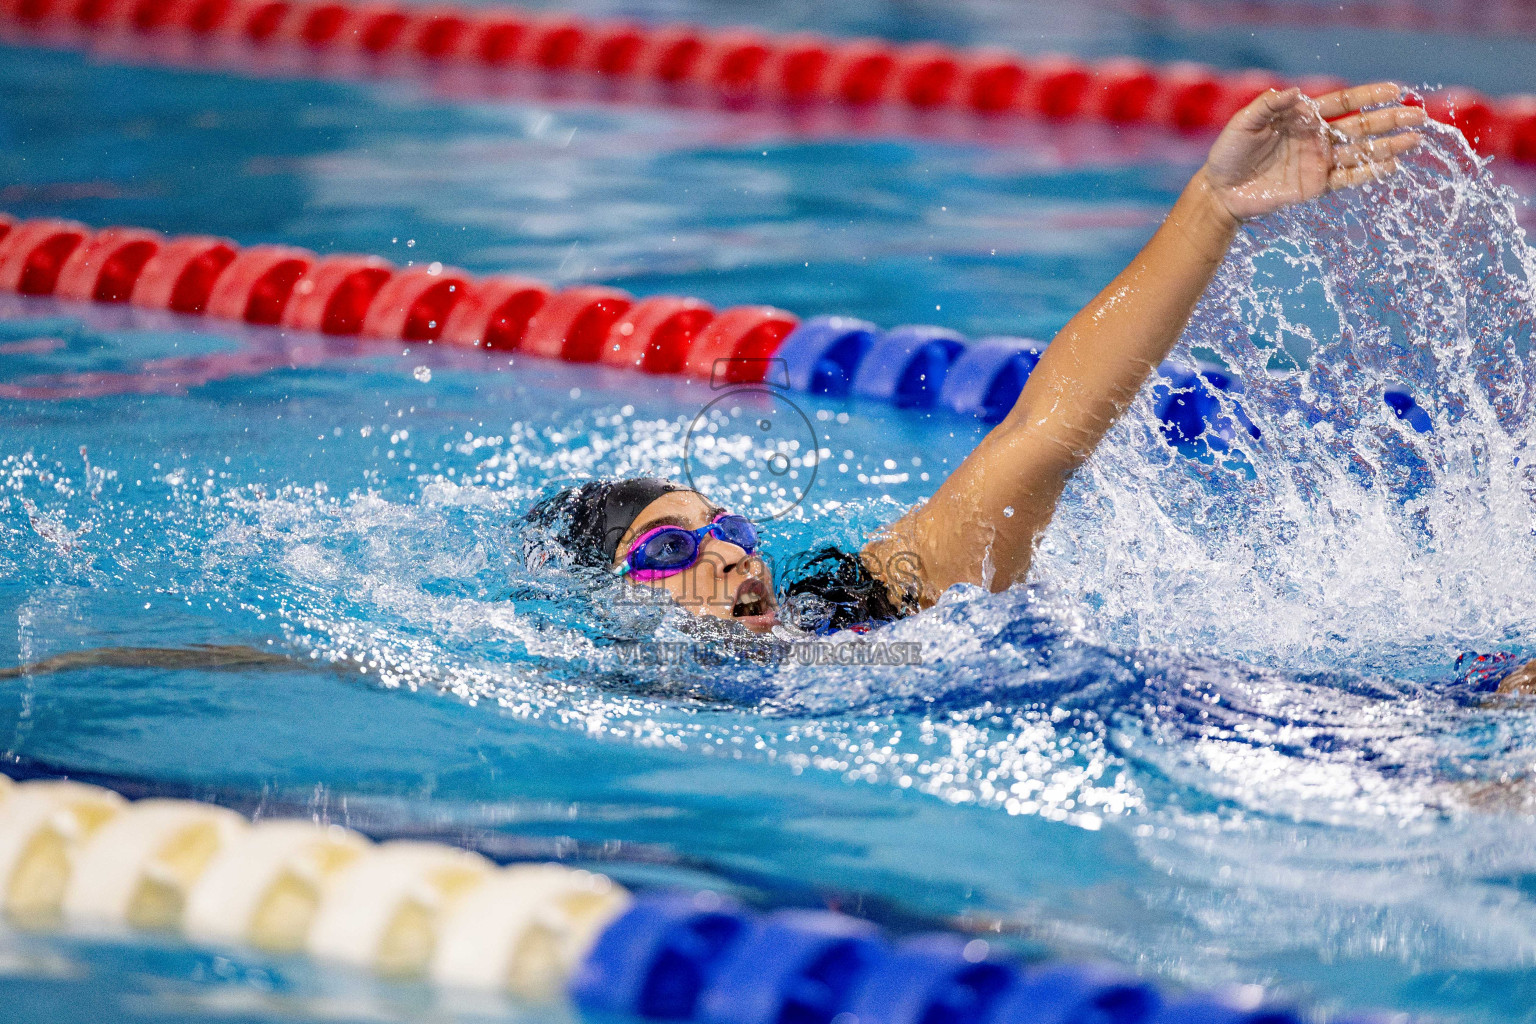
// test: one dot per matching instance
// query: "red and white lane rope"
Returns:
(365, 295)
(741, 65)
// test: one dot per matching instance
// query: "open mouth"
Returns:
(753, 600)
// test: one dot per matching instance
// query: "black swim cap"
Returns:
(590, 519)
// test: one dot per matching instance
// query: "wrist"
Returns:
(1203, 218)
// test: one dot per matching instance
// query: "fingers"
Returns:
(1368, 142)
(1267, 106)
(1375, 150)
(1360, 174)
(1379, 122)
(1337, 104)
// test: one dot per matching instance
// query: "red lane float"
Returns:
(181, 275)
(6, 224)
(258, 283)
(557, 43)
(859, 73)
(90, 13)
(318, 25)
(334, 296)
(144, 15)
(994, 81)
(414, 305)
(1239, 90)
(33, 253)
(375, 29)
(614, 50)
(1057, 88)
(107, 265)
(259, 22)
(927, 75)
(203, 17)
(438, 33)
(736, 345)
(797, 67)
(494, 40)
(573, 324)
(735, 63)
(495, 313)
(1122, 90)
(1470, 112)
(671, 55)
(1188, 97)
(656, 334)
(741, 63)
(1518, 139)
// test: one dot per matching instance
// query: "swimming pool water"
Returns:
(1214, 741)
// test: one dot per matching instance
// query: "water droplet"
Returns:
(422, 373)
(1007, 511)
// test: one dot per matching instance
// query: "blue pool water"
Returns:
(1216, 739)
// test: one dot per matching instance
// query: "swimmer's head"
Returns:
(658, 534)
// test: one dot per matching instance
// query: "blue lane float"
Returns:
(933, 979)
(1403, 404)
(823, 354)
(1202, 1010)
(1187, 403)
(796, 965)
(985, 379)
(656, 960)
(698, 958)
(1079, 992)
(907, 366)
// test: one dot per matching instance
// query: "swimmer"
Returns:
(981, 526)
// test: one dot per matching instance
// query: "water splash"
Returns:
(1349, 539)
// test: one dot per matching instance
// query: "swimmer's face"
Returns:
(726, 582)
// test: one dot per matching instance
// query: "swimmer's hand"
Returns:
(1285, 148)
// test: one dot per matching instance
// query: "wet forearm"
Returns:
(981, 525)
(1098, 362)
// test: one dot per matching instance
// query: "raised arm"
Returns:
(981, 525)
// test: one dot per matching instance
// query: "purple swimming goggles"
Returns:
(668, 550)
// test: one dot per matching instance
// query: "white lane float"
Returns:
(138, 869)
(264, 889)
(401, 909)
(525, 930)
(382, 912)
(42, 827)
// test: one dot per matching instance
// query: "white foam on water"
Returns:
(1356, 542)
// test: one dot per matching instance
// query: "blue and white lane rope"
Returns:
(925, 367)
(82, 858)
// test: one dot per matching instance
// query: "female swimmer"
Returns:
(981, 525)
